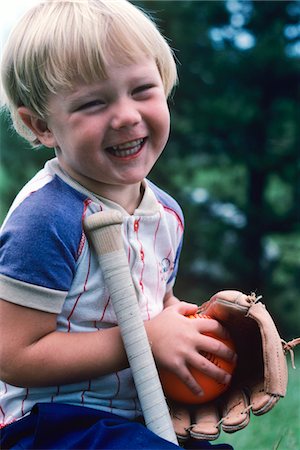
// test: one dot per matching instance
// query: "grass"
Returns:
(277, 430)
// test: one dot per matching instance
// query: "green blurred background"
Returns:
(233, 158)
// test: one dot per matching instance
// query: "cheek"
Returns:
(162, 123)
(80, 136)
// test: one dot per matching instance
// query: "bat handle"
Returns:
(104, 231)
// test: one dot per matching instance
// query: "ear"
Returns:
(38, 126)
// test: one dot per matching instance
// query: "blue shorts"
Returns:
(61, 427)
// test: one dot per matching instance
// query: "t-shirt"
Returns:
(46, 263)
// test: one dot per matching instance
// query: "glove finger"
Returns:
(206, 423)
(261, 402)
(236, 411)
(181, 420)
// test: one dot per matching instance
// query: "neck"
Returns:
(129, 197)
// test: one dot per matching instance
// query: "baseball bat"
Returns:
(104, 230)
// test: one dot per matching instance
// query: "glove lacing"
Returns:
(288, 347)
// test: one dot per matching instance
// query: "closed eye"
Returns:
(143, 88)
(91, 104)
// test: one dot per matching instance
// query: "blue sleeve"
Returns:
(40, 240)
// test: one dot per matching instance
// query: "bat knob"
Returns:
(102, 219)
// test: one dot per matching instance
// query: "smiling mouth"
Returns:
(127, 149)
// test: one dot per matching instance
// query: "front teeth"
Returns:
(128, 145)
(127, 149)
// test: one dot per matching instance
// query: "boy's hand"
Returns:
(177, 343)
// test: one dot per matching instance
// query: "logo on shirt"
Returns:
(166, 267)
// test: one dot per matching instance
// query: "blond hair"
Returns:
(59, 42)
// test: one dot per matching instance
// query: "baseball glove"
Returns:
(261, 375)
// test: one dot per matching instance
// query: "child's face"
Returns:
(110, 133)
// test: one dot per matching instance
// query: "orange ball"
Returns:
(175, 389)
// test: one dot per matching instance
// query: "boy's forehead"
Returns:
(135, 72)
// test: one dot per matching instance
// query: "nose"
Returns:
(125, 114)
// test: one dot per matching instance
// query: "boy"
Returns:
(89, 78)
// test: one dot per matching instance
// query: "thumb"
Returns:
(186, 308)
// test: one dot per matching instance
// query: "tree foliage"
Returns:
(233, 157)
